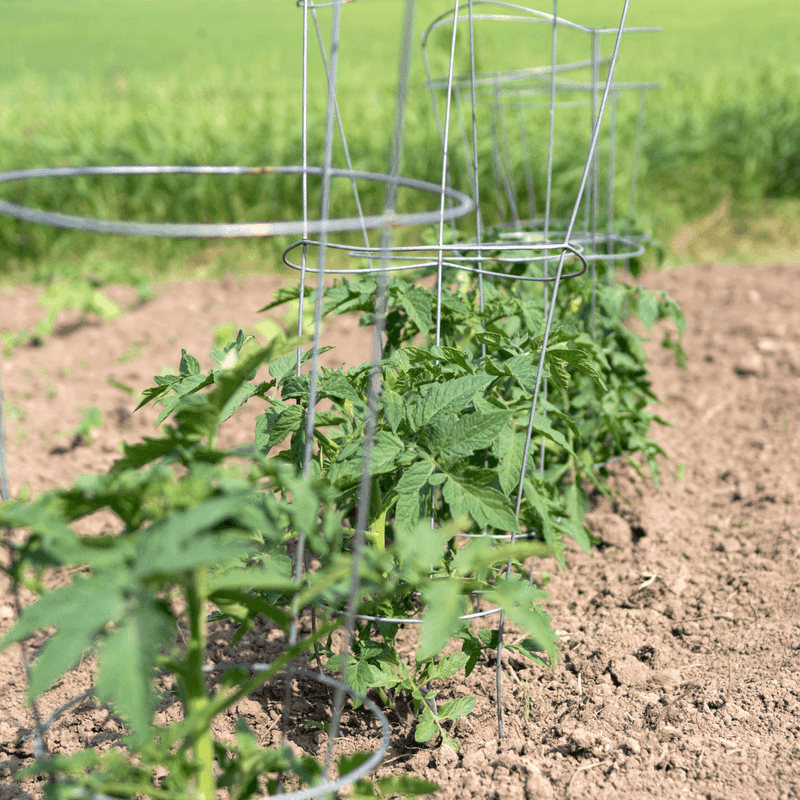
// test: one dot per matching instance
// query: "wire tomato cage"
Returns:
(492, 119)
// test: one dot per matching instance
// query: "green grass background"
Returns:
(217, 81)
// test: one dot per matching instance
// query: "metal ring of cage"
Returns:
(324, 789)
(534, 82)
(314, 792)
(512, 76)
(526, 15)
(314, 6)
(583, 241)
(204, 230)
(412, 620)
(454, 261)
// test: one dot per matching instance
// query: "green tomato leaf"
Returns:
(362, 676)
(490, 638)
(450, 355)
(127, 658)
(239, 398)
(486, 505)
(520, 603)
(243, 606)
(441, 619)
(453, 709)
(539, 504)
(401, 361)
(558, 373)
(408, 488)
(304, 508)
(449, 665)
(426, 727)
(647, 308)
(385, 452)
(275, 425)
(263, 578)
(574, 523)
(349, 763)
(338, 386)
(285, 367)
(453, 439)
(417, 302)
(189, 364)
(284, 295)
(472, 650)
(79, 612)
(282, 368)
(445, 398)
(174, 545)
(530, 648)
(384, 676)
(455, 495)
(579, 357)
(349, 463)
(405, 785)
(392, 407)
(54, 542)
(509, 447)
(169, 404)
(420, 549)
(542, 425)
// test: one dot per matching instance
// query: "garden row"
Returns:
(409, 502)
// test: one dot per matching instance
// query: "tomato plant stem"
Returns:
(377, 529)
(195, 687)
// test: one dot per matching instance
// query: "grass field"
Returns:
(91, 39)
(203, 81)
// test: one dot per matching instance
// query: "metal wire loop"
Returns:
(590, 241)
(231, 230)
(412, 620)
(313, 792)
(314, 6)
(359, 772)
(456, 262)
(526, 14)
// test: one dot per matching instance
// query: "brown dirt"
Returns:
(681, 634)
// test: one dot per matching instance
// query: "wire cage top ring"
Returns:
(422, 256)
(463, 204)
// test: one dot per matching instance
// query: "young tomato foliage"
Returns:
(200, 528)
(195, 528)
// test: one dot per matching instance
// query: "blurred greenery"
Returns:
(205, 82)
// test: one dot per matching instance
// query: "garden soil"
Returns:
(680, 635)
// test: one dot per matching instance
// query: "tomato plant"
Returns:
(454, 512)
